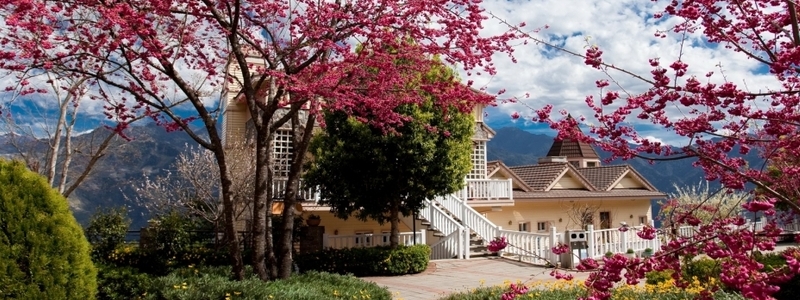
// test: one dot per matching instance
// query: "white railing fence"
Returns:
(442, 222)
(371, 240)
(531, 247)
(279, 188)
(487, 189)
(599, 242)
(452, 246)
(469, 217)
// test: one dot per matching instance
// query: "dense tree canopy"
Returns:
(363, 171)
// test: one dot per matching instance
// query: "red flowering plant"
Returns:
(721, 122)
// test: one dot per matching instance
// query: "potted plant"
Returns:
(630, 253)
(648, 252)
(313, 220)
(609, 254)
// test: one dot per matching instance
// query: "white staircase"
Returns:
(459, 223)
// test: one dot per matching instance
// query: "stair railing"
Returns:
(469, 217)
(455, 241)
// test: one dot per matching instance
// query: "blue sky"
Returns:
(623, 29)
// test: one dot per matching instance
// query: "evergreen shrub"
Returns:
(368, 261)
(43, 252)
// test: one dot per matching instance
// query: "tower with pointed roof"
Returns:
(579, 154)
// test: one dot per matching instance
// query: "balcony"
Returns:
(279, 189)
(488, 192)
(478, 192)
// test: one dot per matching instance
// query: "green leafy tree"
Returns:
(372, 173)
(106, 231)
(43, 252)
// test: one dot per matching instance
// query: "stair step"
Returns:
(439, 234)
(479, 254)
(425, 223)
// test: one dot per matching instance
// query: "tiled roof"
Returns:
(561, 194)
(572, 149)
(539, 177)
(603, 177)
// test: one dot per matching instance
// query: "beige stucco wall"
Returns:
(350, 226)
(557, 213)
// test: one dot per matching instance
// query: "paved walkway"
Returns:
(444, 277)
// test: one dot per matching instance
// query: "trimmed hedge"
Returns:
(214, 284)
(43, 252)
(373, 261)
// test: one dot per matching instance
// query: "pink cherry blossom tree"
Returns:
(293, 55)
(720, 120)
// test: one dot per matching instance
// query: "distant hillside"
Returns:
(151, 150)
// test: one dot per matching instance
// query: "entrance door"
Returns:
(605, 220)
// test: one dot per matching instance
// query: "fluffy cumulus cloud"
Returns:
(625, 31)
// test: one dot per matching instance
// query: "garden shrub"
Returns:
(121, 283)
(372, 261)
(155, 263)
(213, 283)
(703, 268)
(43, 252)
(106, 232)
(656, 277)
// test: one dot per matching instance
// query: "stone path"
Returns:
(444, 277)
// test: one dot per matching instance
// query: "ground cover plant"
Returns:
(571, 290)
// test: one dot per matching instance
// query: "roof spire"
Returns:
(572, 148)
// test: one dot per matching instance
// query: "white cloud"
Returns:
(624, 31)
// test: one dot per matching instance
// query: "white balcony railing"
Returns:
(279, 187)
(488, 189)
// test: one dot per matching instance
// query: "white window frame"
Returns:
(541, 226)
(525, 226)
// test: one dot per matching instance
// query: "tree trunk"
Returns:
(300, 145)
(55, 144)
(227, 206)
(270, 260)
(394, 221)
(259, 206)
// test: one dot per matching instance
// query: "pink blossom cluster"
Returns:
(513, 291)
(497, 245)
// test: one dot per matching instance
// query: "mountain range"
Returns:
(151, 151)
